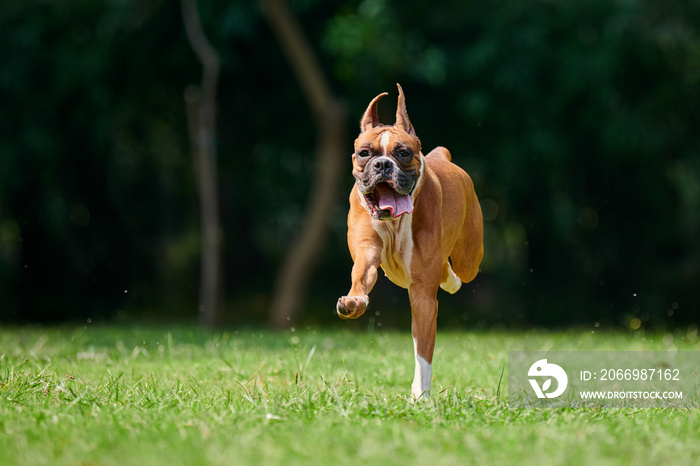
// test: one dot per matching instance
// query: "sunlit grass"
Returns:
(104, 395)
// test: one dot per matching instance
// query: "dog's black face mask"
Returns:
(387, 171)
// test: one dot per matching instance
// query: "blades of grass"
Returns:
(500, 379)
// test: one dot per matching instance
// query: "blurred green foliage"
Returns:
(577, 120)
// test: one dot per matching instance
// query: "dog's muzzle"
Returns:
(387, 189)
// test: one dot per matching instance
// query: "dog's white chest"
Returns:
(397, 248)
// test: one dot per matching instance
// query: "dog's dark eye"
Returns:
(363, 153)
(404, 153)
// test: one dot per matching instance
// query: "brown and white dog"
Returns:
(418, 218)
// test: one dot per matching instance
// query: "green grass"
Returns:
(182, 396)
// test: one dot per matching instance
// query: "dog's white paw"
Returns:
(351, 307)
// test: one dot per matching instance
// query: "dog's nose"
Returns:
(383, 165)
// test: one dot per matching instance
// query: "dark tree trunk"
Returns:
(201, 116)
(330, 115)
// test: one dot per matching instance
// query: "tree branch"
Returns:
(300, 55)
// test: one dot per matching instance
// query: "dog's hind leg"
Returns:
(449, 281)
(469, 248)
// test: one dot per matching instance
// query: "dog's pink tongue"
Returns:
(399, 204)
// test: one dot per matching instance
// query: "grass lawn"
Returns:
(182, 396)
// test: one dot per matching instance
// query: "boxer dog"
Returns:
(418, 218)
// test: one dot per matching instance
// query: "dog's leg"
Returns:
(469, 248)
(423, 326)
(364, 276)
(449, 281)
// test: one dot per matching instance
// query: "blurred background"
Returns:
(579, 122)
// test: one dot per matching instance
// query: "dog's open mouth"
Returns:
(386, 203)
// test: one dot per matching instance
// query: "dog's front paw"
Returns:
(351, 307)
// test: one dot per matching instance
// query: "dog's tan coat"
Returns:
(438, 244)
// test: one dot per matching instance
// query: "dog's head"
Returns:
(387, 163)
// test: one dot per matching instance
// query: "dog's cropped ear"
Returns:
(370, 119)
(401, 114)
